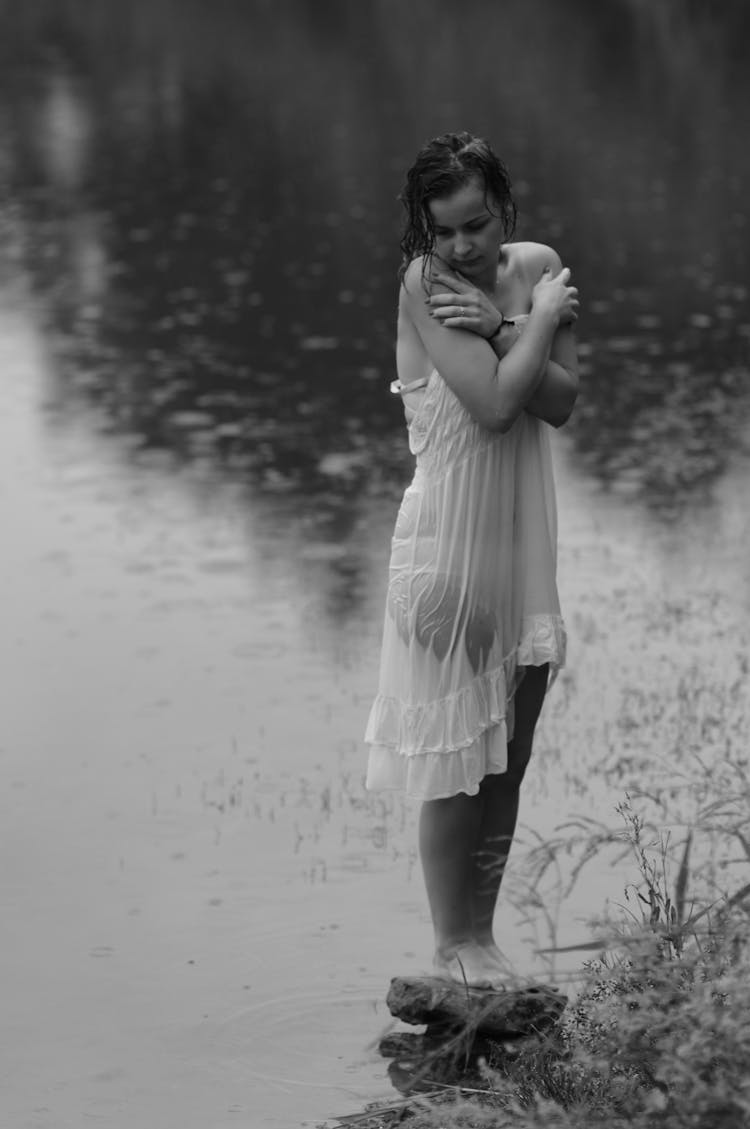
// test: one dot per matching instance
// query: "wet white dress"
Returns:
(472, 598)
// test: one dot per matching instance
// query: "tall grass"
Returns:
(659, 1032)
(658, 1035)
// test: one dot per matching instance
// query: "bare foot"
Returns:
(497, 959)
(470, 965)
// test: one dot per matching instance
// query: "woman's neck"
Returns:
(490, 282)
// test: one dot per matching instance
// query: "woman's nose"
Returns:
(461, 244)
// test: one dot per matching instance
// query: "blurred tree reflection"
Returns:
(208, 203)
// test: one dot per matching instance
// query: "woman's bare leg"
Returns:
(464, 843)
(447, 845)
(500, 794)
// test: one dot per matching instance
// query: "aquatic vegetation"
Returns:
(659, 1033)
(659, 1030)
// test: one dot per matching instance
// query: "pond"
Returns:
(201, 466)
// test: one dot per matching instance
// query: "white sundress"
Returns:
(472, 597)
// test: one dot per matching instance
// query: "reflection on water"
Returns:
(200, 464)
(211, 217)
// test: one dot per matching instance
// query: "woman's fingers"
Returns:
(563, 275)
(453, 319)
(445, 300)
(452, 310)
(452, 281)
(470, 324)
(454, 316)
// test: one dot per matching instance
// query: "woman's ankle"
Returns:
(447, 947)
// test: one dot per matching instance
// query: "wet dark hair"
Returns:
(443, 165)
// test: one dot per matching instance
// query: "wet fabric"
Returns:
(472, 599)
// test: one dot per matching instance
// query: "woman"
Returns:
(486, 362)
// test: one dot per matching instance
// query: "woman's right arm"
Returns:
(493, 390)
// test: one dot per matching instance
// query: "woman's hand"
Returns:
(463, 306)
(554, 296)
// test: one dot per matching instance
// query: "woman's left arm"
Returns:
(557, 391)
(555, 395)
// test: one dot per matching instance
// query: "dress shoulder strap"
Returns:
(400, 389)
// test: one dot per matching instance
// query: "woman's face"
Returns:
(467, 235)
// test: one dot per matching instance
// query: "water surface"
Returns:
(200, 470)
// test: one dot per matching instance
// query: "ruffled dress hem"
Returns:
(434, 750)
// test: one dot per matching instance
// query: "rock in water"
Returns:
(504, 1014)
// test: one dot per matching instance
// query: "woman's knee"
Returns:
(519, 755)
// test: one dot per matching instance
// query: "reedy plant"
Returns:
(659, 1034)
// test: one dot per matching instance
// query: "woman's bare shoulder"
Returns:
(535, 255)
(412, 361)
(417, 277)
